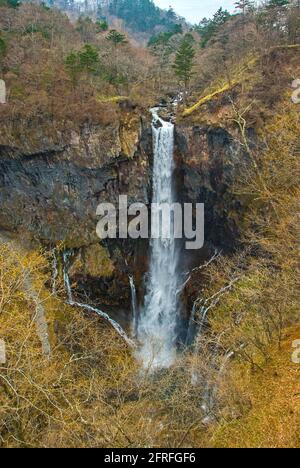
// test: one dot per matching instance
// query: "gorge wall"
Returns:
(50, 189)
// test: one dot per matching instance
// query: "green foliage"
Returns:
(36, 28)
(207, 28)
(10, 3)
(115, 78)
(244, 5)
(72, 66)
(116, 38)
(45, 6)
(101, 25)
(3, 47)
(160, 39)
(86, 60)
(177, 29)
(164, 37)
(83, 23)
(277, 3)
(142, 15)
(184, 60)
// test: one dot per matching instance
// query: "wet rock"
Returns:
(51, 182)
(93, 261)
(53, 195)
(210, 159)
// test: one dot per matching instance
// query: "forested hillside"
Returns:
(75, 130)
(143, 15)
(141, 18)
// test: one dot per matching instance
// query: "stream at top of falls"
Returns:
(156, 328)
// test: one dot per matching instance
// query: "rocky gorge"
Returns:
(50, 189)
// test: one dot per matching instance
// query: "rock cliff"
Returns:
(51, 183)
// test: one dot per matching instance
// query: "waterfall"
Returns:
(158, 319)
(134, 306)
(54, 273)
(101, 314)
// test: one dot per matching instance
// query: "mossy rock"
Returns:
(93, 261)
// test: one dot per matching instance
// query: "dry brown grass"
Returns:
(273, 420)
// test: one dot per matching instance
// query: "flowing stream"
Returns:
(156, 329)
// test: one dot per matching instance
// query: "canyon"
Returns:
(144, 343)
(50, 190)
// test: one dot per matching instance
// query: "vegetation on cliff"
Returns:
(142, 16)
(68, 379)
(54, 69)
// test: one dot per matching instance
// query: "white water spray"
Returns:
(134, 306)
(157, 323)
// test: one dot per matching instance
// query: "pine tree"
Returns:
(142, 15)
(101, 25)
(89, 59)
(184, 60)
(277, 3)
(116, 38)
(244, 6)
(72, 65)
(10, 3)
(207, 28)
(86, 60)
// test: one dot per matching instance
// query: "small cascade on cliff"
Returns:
(158, 319)
(134, 306)
(54, 273)
(103, 315)
(66, 256)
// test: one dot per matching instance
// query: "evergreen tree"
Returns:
(116, 38)
(89, 59)
(10, 3)
(184, 60)
(171, 15)
(102, 25)
(164, 37)
(142, 15)
(244, 6)
(85, 60)
(207, 28)
(72, 65)
(277, 3)
(177, 29)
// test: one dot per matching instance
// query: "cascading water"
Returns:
(158, 319)
(89, 308)
(54, 273)
(134, 306)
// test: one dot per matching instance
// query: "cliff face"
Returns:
(51, 182)
(51, 186)
(209, 159)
